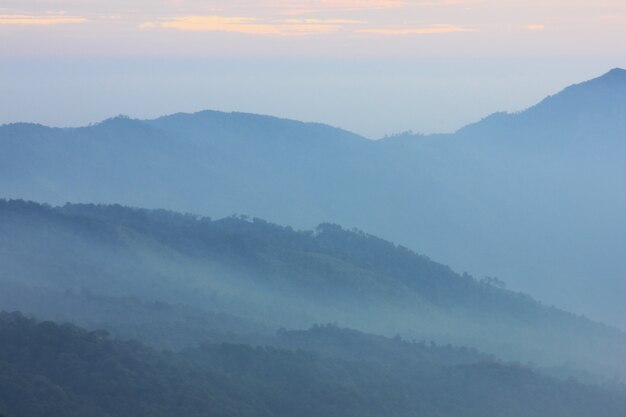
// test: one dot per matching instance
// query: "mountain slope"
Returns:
(591, 112)
(532, 198)
(277, 277)
(51, 370)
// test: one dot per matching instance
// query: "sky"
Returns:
(375, 67)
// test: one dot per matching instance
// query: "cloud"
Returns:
(291, 26)
(535, 27)
(426, 30)
(324, 21)
(39, 20)
(216, 23)
(614, 18)
(251, 25)
(297, 7)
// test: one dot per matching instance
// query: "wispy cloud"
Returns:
(215, 23)
(251, 25)
(535, 27)
(425, 30)
(38, 20)
(324, 21)
(293, 26)
(298, 7)
(613, 18)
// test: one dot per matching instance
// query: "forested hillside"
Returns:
(174, 280)
(531, 198)
(50, 370)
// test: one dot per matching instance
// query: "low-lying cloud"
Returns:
(251, 25)
(38, 20)
(425, 30)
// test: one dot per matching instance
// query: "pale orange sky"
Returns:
(314, 28)
(526, 48)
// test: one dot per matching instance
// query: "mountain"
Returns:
(532, 198)
(60, 370)
(175, 280)
(592, 112)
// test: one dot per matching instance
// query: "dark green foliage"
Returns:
(329, 261)
(156, 323)
(89, 262)
(392, 352)
(47, 370)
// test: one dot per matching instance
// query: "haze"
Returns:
(349, 208)
(373, 67)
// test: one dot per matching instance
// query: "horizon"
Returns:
(338, 208)
(374, 67)
(356, 131)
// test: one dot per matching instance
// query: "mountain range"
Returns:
(172, 281)
(51, 370)
(533, 199)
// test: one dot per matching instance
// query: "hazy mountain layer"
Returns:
(158, 275)
(47, 370)
(532, 198)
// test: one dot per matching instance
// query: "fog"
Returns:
(367, 96)
(176, 281)
(250, 265)
(529, 198)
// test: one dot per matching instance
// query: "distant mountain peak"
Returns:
(616, 75)
(119, 120)
(586, 108)
(601, 91)
(616, 72)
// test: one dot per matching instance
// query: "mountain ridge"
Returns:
(60, 370)
(614, 76)
(279, 277)
(576, 103)
(509, 191)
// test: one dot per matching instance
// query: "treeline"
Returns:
(338, 259)
(173, 280)
(52, 370)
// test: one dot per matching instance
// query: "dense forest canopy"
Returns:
(60, 370)
(174, 280)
